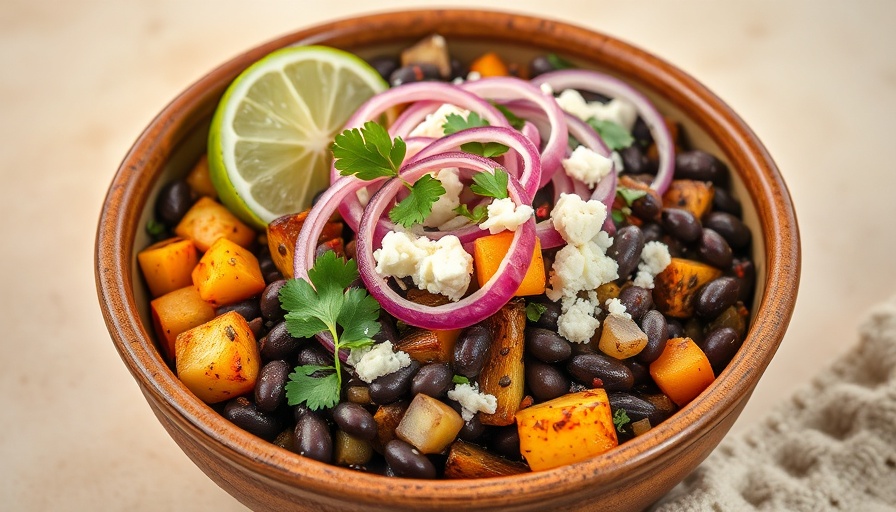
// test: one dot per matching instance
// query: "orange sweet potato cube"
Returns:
(167, 265)
(176, 312)
(682, 371)
(227, 273)
(488, 251)
(208, 220)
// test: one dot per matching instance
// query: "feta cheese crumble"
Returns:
(373, 362)
(578, 323)
(437, 266)
(503, 215)
(578, 221)
(587, 166)
(432, 125)
(443, 208)
(616, 110)
(472, 400)
(654, 259)
(616, 307)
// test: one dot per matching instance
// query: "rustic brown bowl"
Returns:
(629, 477)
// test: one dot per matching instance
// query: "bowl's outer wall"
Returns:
(627, 478)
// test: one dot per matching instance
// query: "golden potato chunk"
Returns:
(675, 288)
(176, 312)
(429, 425)
(227, 273)
(207, 221)
(167, 265)
(621, 337)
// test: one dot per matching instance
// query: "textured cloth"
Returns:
(831, 446)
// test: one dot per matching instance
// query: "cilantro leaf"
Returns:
(456, 122)
(460, 379)
(358, 318)
(490, 184)
(487, 149)
(614, 135)
(534, 310)
(317, 393)
(368, 152)
(305, 316)
(618, 216)
(558, 62)
(620, 419)
(630, 195)
(515, 121)
(414, 208)
(477, 216)
(155, 229)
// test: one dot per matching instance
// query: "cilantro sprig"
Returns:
(323, 304)
(369, 153)
(620, 419)
(455, 123)
(612, 133)
(489, 184)
(477, 216)
(534, 310)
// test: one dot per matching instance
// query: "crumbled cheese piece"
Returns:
(578, 323)
(377, 361)
(432, 125)
(578, 221)
(547, 89)
(503, 215)
(616, 110)
(580, 267)
(472, 400)
(438, 266)
(587, 166)
(617, 161)
(616, 307)
(472, 76)
(654, 259)
(443, 208)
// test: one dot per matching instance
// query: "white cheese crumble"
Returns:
(472, 76)
(578, 221)
(654, 259)
(432, 125)
(443, 208)
(503, 215)
(437, 266)
(616, 307)
(546, 89)
(616, 110)
(472, 400)
(587, 166)
(373, 362)
(580, 267)
(578, 323)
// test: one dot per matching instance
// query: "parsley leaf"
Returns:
(614, 135)
(322, 304)
(488, 149)
(460, 379)
(618, 216)
(414, 208)
(368, 152)
(630, 195)
(515, 121)
(477, 216)
(490, 184)
(456, 122)
(620, 419)
(155, 229)
(558, 62)
(534, 310)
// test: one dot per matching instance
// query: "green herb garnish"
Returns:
(155, 229)
(460, 379)
(369, 153)
(455, 123)
(534, 310)
(477, 216)
(614, 135)
(515, 121)
(558, 62)
(630, 195)
(489, 184)
(620, 419)
(323, 304)
(618, 216)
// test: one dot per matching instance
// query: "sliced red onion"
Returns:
(469, 310)
(613, 87)
(412, 116)
(530, 131)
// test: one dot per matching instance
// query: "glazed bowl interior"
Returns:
(628, 477)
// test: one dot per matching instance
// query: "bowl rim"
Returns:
(114, 256)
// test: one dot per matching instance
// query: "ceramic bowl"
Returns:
(630, 477)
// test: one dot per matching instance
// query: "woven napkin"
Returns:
(830, 446)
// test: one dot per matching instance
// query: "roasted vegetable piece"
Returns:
(621, 337)
(503, 372)
(167, 265)
(429, 424)
(176, 312)
(489, 64)
(208, 221)
(431, 50)
(282, 234)
(694, 196)
(219, 359)
(675, 288)
(427, 346)
(488, 251)
(565, 430)
(387, 417)
(467, 460)
(682, 371)
(227, 273)
(350, 450)
(200, 179)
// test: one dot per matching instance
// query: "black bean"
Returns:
(636, 408)
(723, 201)
(472, 430)
(720, 346)
(313, 438)
(433, 379)
(470, 350)
(278, 343)
(270, 302)
(548, 318)
(716, 296)
(540, 65)
(407, 462)
(652, 232)
(248, 308)
(730, 227)
(547, 345)
(256, 325)
(174, 200)
(269, 389)
(545, 381)
(713, 249)
(640, 372)
(626, 250)
(314, 354)
(385, 65)
(681, 224)
(300, 410)
(458, 69)
(355, 420)
(641, 133)
(612, 373)
(647, 207)
(637, 301)
(634, 160)
(414, 73)
(268, 268)
(506, 441)
(243, 413)
(693, 329)
(389, 388)
(700, 165)
(654, 325)
(387, 329)
(745, 272)
(675, 329)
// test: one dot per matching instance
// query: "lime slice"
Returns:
(269, 141)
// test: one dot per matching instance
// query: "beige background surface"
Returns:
(80, 79)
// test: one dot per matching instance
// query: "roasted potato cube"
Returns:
(431, 50)
(167, 265)
(503, 372)
(387, 418)
(621, 337)
(568, 429)
(227, 273)
(200, 180)
(675, 288)
(682, 371)
(694, 196)
(429, 425)
(219, 359)
(176, 312)
(282, 234)
(467, 460)
(349, 450)
(428, 346)
(207, 221)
